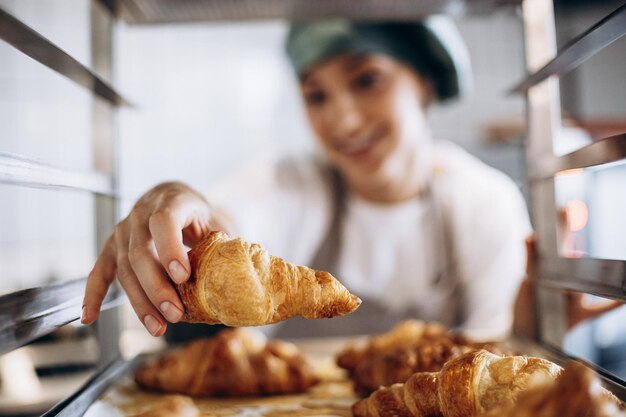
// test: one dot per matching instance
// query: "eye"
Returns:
(367, 79)
(315, 97)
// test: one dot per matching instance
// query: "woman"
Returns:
(416, 228)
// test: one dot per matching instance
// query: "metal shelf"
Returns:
(15, 169)
(27, 40)
(28, 314)
(604, 151)
(556, 355)
(605, 278)
(599, 36)
(165, 11)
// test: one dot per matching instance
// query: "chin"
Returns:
(375, 169)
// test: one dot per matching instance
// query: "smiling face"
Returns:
(368, 112)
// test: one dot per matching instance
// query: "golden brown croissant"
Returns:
(406, 334)
(466, 386)
(238, 283)
(235, 362)
(411, 346)
(576, 392)
(399, 364)
(172, 406)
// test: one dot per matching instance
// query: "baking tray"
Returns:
(112, 393)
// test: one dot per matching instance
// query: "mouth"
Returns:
(361, 145)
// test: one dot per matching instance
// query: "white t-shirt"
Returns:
(394, 254)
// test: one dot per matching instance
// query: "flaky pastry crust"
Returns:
(236, 362)
(466, 386)
(239, 283)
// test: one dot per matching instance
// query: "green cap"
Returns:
(433, 47)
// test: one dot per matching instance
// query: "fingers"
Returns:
(578, 310)
(150, 274)
(98, 282)
(145, 310)
(155, 226)
(531, 256)
(166, 225)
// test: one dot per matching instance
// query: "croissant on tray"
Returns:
(411, 346)
(576, 392)
(238, 283)
(236, 362)
(466, 386)
(399, 364)
(406, 334)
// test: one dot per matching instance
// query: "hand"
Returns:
(146, 250)
(576, 309)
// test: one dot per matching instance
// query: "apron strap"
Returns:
(328, 254)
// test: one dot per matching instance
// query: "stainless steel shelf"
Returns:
(165, 11)
(15, 169)
(605, 278)
(604, 151)
(603, 33)
(556, 355)
(27, 40)
(28, 314)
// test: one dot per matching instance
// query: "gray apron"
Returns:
(372, 316)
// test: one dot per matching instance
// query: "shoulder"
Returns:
(463, 177)
(480, 198)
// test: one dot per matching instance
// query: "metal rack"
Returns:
(163, 11)
(606, 278)
(28, 314)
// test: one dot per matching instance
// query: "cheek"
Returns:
(318, 125)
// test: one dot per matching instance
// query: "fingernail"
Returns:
(177, 272)
(170, 311)
(152, 325)
(83, 316)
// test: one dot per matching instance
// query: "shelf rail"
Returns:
(19, 170)
(36, 46)
(604, 151)
(28, 314)
(598, 37)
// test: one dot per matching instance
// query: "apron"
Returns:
(372, 316)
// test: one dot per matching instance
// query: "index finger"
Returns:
(531, 257)
(98, 282)
(166, 227)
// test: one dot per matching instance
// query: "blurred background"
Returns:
(208, 98)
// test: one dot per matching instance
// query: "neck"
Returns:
(403, 180)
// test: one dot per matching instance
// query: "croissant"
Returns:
(398, 365)
(406, 334)
(466, 386)
(172, 406)
(236, 362)
(411, 346)
(238, 283)
(576, 392)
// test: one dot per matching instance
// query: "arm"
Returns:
(147, 250)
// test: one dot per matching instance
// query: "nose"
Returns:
(344, 117)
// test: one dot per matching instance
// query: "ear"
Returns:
(430, 96)
(426, 89)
